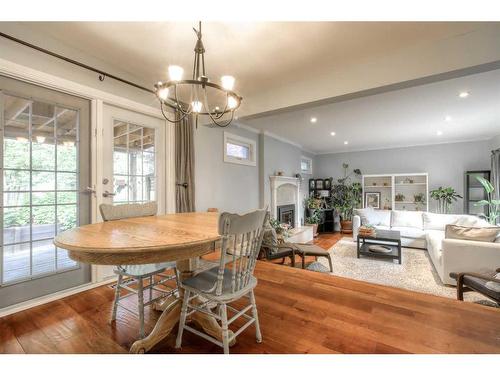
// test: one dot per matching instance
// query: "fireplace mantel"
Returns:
(276, 183)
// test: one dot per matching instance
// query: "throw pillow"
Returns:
(492, 285)
(364, 214)
(472, 221)
(486, 234)
(270, 239)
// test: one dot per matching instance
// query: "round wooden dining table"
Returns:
(182, 238)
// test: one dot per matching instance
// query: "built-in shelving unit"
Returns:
(405, 191)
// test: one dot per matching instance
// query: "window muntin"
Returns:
(40, 173)
(134, 170)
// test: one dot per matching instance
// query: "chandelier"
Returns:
(191, 96)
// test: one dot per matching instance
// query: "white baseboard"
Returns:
(51, 297)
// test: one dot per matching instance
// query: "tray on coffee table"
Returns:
(386, 238)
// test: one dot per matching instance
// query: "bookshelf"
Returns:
(403, 191)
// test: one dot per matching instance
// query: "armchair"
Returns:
(468, 281)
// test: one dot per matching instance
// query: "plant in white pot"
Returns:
(313, 220)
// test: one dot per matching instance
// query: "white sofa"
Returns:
(425, 230)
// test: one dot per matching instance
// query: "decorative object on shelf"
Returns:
(386, 184)
(346, 196)
(372, 200)
(321, 190)
(196, 91)
(279, 173)
(399, 197)
(387, 204)
(313, 220)
(374, 184)
(493, 205)
(299, 176)
(444, 197)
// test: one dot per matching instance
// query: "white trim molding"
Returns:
(241, 141)
(276, 183)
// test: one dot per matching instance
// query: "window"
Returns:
(306, 165)
(239, 150)
(40, 186)
(134, 172)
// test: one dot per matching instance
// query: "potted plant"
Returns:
(444, 197)
(346, 196)
(399, 197)
(313, 221)
(493, 204)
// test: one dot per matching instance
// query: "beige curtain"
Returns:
(184, 165)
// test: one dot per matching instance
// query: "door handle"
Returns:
(89, 190)
(107, 194)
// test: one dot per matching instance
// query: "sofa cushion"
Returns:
(434, 240)
(410, 232)
(370, 216)
(363, 214)
(472, 221)
(438, 221)
(383, 227)
(407, 219)
(485, 234)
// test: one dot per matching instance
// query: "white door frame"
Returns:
(98, 98)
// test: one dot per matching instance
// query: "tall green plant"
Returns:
(444, 197)
(346, 195)
(492, 204)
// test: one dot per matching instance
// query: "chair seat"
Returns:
(205, 281)
(312, 250)
(479, 285)
(144, 269)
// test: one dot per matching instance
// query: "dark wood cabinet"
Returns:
(474, 192)
(322, 188)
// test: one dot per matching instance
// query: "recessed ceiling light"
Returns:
(463, 94)
(332, 134)
(346, 143)
(447, 118)
(439, 132)
(314, 119)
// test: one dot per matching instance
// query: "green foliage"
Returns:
(444, 197)
(313, 203)
(314, 217)
(346, 195)
(492, 204)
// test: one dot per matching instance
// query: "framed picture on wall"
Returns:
(372, 200)
(319, 184)
(312, 184)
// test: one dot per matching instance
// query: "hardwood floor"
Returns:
(300, 312)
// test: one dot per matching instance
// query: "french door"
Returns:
(45, 170)
(133, 162)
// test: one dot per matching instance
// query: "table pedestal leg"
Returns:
(171, 314)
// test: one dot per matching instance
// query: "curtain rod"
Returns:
(102, 74)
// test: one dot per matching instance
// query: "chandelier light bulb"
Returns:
(163, 93)
(232, 103)
(175, 72)
(40, 138)
(227, 82)
(196, 105)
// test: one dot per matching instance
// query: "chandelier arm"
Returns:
(218, 116)
(178, 105)
(171, 121)
(223, 125)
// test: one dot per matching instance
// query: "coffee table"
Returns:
(389, 238)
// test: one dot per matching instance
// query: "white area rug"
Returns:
(415, 273)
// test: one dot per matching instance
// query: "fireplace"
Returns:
(286, 214)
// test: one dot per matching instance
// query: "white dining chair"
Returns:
(154, 273)
(229, 281)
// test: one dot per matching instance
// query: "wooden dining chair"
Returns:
(227, 282)
(155, 273)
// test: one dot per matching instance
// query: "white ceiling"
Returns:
(279, 64)
(405, 117)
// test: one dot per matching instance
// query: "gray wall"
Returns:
(445, 163)
(280, 156)
(226, 186)
(30, 58)
(495, 142)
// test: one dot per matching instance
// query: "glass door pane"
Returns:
(40, 186)
(134, 170)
